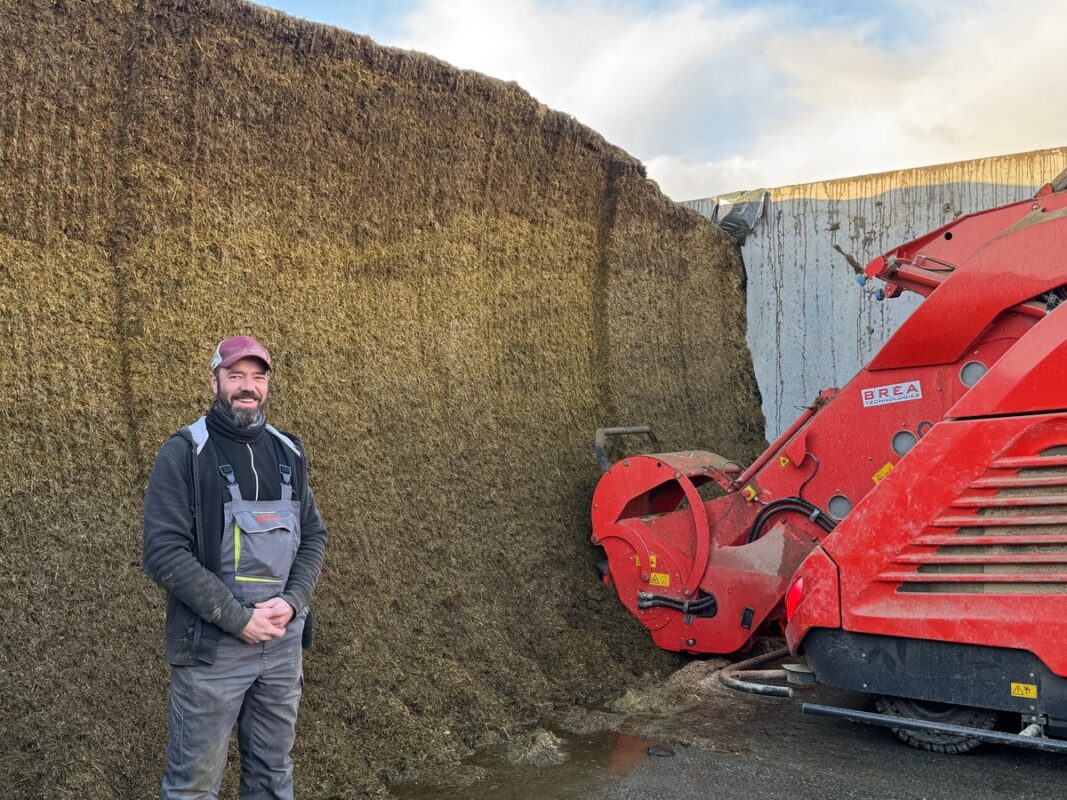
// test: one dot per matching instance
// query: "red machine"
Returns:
(908, 532)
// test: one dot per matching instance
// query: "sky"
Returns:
(716, 96)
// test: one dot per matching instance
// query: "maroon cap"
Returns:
(232, 350)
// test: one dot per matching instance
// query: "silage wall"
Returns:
(810, 325)
(459, 285)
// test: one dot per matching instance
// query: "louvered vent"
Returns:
(1006, 534)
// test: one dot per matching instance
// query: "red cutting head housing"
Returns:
(926, 498)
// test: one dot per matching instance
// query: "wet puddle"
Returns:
(592, 761)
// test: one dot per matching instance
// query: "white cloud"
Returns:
(716, 99)
(688, 180)
(625, 73)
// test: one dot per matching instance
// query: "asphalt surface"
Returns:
(734, 746)
(756, 747)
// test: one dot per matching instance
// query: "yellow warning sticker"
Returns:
(652, 561)
(637, 561)
(783, 461)
(1027, 690)
(879, 476)
(660, 579)
(749, 493)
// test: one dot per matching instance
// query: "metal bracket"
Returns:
(600, 441)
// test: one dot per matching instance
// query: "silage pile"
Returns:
(459, 286)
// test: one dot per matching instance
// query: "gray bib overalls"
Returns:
(256, 686)
(259, 540)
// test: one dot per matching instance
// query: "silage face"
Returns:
(458, 287)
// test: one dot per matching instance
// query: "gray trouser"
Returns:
(256, 686)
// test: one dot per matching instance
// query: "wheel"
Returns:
(943, 713)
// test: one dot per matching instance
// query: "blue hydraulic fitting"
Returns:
(861, 279)
(879, 295)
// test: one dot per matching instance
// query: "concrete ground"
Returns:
(756, 747)
(732, 746)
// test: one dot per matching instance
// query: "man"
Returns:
(232, 533)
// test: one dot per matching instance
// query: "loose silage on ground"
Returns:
(459, 285)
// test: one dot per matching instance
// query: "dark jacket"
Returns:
(182, 543)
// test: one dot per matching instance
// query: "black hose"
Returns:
(785, 505)
(705, 606)
(807, 480)
(678, 605)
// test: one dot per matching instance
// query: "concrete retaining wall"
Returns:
(810, 325)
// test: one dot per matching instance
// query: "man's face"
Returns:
(242, 389)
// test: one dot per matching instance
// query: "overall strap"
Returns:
(231, 482)
(287, 483)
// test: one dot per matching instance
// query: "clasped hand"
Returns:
(269, 619)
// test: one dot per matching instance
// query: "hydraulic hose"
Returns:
(701, 607)
(786, 505)
(733, 676)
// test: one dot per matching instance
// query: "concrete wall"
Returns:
(810, 325)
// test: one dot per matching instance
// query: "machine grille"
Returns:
(1006, 534)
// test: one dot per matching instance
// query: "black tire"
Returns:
(953, 744)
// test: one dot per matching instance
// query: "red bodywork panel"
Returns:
(940, 464)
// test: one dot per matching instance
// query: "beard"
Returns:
(242, 416)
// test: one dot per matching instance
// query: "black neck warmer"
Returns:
(220, 422)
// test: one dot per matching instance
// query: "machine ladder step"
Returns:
(982, 735)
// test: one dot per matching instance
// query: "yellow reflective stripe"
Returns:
(256, 580)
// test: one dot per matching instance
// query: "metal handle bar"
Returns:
(602, 434)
